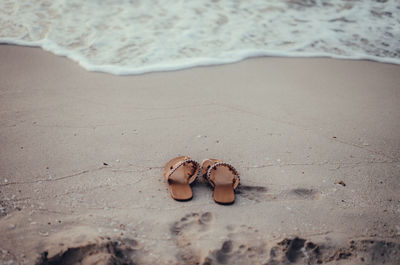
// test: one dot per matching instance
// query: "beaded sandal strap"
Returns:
(236, 178)
(178, 165)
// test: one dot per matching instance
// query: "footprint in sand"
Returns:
(243, 245)
(193, 222)
(254, 193)
(301, 251)
(293, 251)
(260, 194)
(234, 252)
(304, 194)
(187, 233)
(109, 252)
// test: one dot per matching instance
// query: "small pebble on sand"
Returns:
(341, 182)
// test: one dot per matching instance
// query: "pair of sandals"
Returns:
(182, 171)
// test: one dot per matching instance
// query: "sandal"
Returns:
(180, 172)
(223, 177)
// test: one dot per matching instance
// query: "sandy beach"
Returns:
(316, 141)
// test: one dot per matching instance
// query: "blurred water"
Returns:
(137, 36)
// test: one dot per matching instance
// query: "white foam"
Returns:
(138, 36)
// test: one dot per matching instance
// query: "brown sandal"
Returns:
(223, 177)
(180, 172)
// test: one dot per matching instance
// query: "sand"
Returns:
(317, 143)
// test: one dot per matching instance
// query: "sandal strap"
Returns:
(236, 178)
(178, 165)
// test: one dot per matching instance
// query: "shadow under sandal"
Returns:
(179, 173)
(223, 177)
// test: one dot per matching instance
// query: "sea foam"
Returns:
(138, 36)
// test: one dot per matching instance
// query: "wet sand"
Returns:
(317, 143)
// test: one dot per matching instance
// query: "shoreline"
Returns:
(197, 63)
(83, 152)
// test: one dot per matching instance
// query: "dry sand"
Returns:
(317, 143)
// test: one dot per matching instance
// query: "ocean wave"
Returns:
(137, 36)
